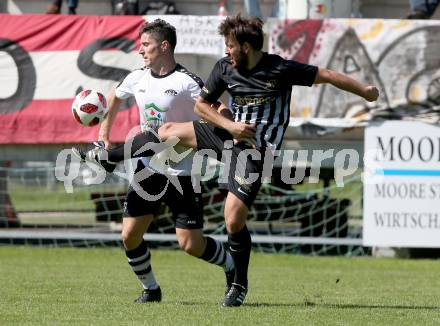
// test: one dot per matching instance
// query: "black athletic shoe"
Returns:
(229, 279)
(235, 296)
(96, 155)
(149, 296)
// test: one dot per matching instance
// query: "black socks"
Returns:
(147, 139)
(240, 248)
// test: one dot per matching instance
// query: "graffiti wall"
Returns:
(401, 57)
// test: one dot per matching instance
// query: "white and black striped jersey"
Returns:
(160, 99)
(260, 96)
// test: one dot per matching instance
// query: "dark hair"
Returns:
(243, 30)
(161, 31)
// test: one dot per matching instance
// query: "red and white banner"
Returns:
(46, 59)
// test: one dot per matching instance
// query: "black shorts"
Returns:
(242, 164)
(187, 208)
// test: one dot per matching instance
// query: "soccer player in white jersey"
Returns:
(260, 85)
(164, 91)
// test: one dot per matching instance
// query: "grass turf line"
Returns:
(66, 286)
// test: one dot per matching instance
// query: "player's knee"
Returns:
(125, 237)
(187, 245)
(232, 222)
(129, 238)
(235, 215)
(232, 226)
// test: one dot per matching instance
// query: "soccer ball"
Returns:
(89, 107)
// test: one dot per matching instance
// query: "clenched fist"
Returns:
(371, 93)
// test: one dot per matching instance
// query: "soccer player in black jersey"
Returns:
(260, 85)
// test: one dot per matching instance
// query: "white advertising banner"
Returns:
(402, 185)
(196, 34)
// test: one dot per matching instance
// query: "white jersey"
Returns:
(160, 99)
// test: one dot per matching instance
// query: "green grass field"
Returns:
(45, 286)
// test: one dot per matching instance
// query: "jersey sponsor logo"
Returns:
(153, 112)
(233, 85)
(171, 92)
(249, 100)
(142, 90)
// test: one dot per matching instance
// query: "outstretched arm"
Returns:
(368, 92)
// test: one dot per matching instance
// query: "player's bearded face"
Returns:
(236, 53)
(150, 50)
